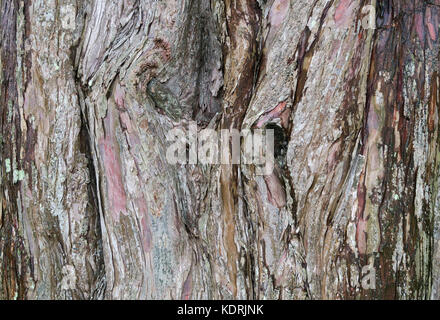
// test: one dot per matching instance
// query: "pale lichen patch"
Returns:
(69, 278)
(8, 165)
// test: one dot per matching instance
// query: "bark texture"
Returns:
(90, 208)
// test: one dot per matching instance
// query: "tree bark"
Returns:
(90, 208)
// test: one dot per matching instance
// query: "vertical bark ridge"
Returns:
(240, 50)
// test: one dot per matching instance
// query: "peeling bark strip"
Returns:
(240, 49)
(90, 208)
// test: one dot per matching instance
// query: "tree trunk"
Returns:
(90, 207)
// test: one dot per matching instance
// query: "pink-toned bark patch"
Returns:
(343, 13)
(281, 277)
(432, 24)
(278, 12)
(119, 96)
(276, 194)
(275, 113)
(146, 235)
(187, 287)
(372, 121)
(333, 156)
(418, 17)
(126, 122)
(115, 188)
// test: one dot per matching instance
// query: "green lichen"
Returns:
(9, 110)
(164, 99)
(8, 165)
(18, 176)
